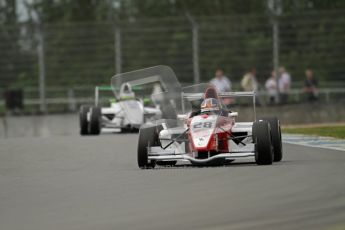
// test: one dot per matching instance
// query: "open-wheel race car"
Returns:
(126, 112)
(200, 129)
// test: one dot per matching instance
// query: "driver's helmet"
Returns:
(126, 92)
(210, 105)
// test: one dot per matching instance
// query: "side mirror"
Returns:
(233, 114)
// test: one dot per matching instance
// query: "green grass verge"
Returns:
(327, 131)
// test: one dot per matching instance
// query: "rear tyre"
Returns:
(166, 163)
(276, 138)
(83, 122)
(134, 130)
(129, 130)
(148, 137)
(124, 130)
(262, 140)
(95, 120)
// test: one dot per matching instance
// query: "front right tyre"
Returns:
(148, 137)
(83, 122)
(95, 120)
(276, 138)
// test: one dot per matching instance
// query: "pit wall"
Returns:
(68, 124)
(39, 126)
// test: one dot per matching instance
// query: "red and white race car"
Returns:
(210, 136)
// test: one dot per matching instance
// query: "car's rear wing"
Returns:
(161, 74)
(198, 96)
(195, 96)
(109, 88)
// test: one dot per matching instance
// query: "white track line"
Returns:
(314, 141)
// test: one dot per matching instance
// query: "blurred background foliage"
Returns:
(234, 35)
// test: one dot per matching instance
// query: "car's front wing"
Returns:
(159, 154)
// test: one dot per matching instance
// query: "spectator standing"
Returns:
(249, 81)
(221, 82)
(272, 88)
(284, 84)
(310, 85)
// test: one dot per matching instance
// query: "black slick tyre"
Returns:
(95, 120)
(148, 137)
(262, 140)
(83, 122)
(276, 138)
(166, 163)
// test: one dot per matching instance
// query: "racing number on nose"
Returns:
(199, 125)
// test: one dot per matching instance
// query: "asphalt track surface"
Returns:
(94, 183)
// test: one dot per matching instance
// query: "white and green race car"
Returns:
(126, 112)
